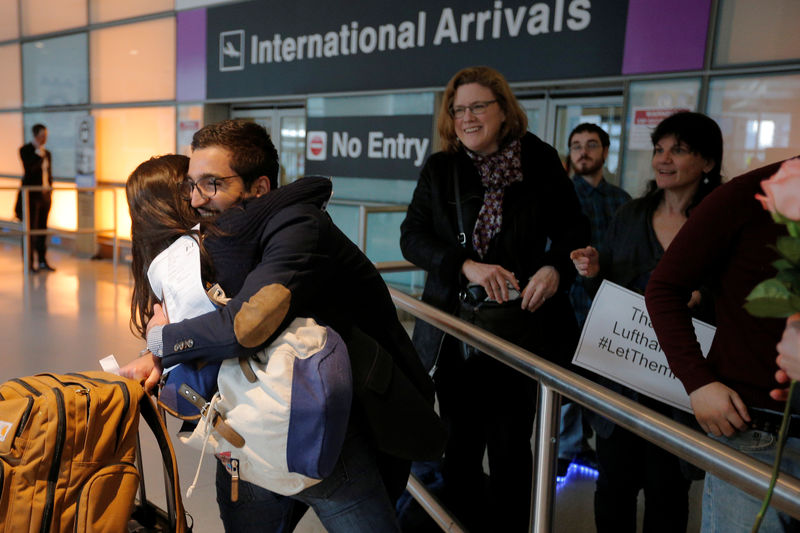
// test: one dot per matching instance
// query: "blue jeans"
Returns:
(352, 499)
(727, 509)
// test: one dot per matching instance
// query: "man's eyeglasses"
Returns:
(207, 187)
(589, 146)
(478, 108)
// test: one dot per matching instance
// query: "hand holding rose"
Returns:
(782, 191)
(788, 357)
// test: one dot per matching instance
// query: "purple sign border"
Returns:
(191, 51)
(665, 36)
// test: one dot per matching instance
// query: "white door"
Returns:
(563, 114)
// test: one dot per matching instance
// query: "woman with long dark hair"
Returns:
(687, 160)
(158, 217)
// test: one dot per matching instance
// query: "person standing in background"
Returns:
(588, 150)
(37, 165)
(687, 161)
(729, 244)
(479, 223)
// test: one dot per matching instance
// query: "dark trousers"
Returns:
(38, 211)
(629, 464)
(489, 407)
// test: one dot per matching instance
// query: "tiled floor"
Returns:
(67, 320)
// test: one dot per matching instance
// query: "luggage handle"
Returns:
(175, 510)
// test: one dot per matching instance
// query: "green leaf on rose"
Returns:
(793, 226)
(789, 247)
(790, 277)
(772, 298)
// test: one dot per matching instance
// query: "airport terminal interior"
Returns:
(67, 320)
(351, 91)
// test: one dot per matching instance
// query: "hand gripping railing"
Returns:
(716, 458)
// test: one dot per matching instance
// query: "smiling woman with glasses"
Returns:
(483, 213)
(477, 108)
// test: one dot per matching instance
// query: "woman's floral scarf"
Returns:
(497, 171)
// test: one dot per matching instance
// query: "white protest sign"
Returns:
(618, 342)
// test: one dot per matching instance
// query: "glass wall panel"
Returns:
(536, 110)
(55, 71)
(375, 105)
(292, 148)
(62, 135)
(759, 117)
(124, 138)
(8, 197)
(749, 32)
(11, 87)
(190, 119)
(9, 19)
(648, 104)
(45, 16)
(64, 211)
(10, 141)
(107, 10)
(134, 63)
(606, 115)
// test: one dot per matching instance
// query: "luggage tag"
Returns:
(14, 414)
(232, 467)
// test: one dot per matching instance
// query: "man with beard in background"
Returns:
(588, 150)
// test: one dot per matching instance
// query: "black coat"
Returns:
(32, 164)
(285, 240)
(39, 207)
(540, 209)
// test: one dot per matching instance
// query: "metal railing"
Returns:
(24, 227)
(716, 458)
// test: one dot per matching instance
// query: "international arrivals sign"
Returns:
(385, 147)
(260, 48)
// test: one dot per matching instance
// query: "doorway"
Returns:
(552, 119)
(564, 114)
(287, 127)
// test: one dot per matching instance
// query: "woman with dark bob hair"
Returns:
(687, 159)
(492, 221)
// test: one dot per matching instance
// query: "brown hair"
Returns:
(159, 215)
(252, 153)
(516, 123)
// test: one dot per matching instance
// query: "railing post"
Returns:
(26, 236)
(116, 251)
(362, 228)
(548, 419)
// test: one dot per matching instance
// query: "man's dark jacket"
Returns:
(33, 176)
(282, 257)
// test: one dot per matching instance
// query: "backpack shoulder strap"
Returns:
(175, 510)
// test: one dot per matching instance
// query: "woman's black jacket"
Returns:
(542, 224)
